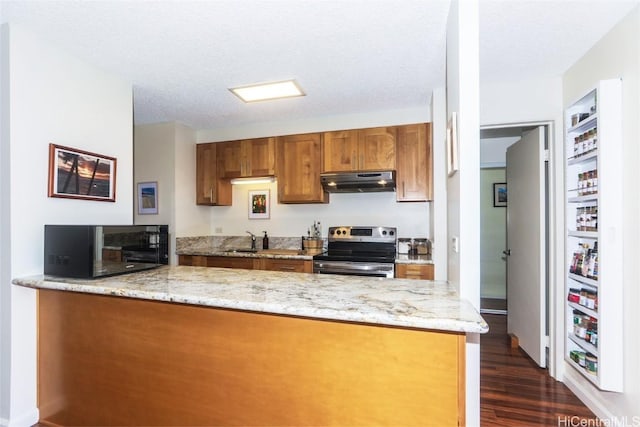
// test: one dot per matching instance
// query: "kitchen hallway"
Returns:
(514, 391)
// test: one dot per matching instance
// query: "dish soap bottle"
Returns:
(265, 241)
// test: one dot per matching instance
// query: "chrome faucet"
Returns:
(253, 240)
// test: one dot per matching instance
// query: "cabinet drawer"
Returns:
(291, 265)
(415, 271)
(231, 262)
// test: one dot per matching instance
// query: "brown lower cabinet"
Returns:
(109, 360)
(249, 263)
(415, 271)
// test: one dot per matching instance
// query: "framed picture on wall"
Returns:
(500, 194)
(79, 174)
(147, 198)
(259, 204)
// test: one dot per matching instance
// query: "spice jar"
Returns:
(591, 363)
(423, 246)
(404, 244)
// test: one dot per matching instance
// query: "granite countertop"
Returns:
(420, 304)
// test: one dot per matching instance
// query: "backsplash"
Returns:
(228, 242)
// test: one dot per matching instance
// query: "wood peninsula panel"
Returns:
(105, 360)
(415, 271)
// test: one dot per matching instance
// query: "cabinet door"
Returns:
(261, 155)
(377, 149)
(210, 190)
(232, 162)
(192, 260)
(298, 167)
(415, 271)
(291, 265)
(414, 163)
(340, 151)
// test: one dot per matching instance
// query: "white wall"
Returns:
(536, 101)
(493, 237)
(153, 153)
(52, 98)
(463, 194)
(166, 153)
(293, 220)
(438, 211)
(617, 55)
(290, 220)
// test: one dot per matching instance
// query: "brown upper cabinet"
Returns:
(359, 150)
(247, 158)
(298, 165)
(210, 190)
(414, 168)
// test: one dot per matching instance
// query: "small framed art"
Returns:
(148, 198)
(500, 194)
(259, 204)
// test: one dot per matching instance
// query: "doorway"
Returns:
(513, 291)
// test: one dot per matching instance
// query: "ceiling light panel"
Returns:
(268, 91)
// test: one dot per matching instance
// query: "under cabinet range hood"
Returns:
(358, 182)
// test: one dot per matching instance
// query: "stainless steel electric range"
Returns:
(358, 251)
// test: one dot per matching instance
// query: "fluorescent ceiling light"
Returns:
(245, 181)
(267, 91)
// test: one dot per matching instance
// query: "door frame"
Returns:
(555, 244)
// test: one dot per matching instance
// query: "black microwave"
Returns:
(91, 251)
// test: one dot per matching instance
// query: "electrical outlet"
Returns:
(218, 230)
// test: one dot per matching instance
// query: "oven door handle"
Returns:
(350, 267)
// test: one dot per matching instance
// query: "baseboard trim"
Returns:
(27, 419)
(580, 388)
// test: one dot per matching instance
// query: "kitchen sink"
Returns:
(250, 251)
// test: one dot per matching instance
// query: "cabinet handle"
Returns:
(211, 194)
(361, 161)
(404, 194)
(287, 268)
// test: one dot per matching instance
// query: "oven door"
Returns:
(355, 268)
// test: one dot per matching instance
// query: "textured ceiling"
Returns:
(350, 56)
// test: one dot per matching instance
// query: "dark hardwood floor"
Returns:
(514, 391)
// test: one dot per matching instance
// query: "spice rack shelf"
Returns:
(583, 279)
(585, 310)
(590, 377)
(593, 235)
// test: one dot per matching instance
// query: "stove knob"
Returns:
(384, 232)
(391, 233)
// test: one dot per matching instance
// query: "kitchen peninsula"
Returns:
(213, 346)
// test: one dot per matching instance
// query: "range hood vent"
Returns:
(358, 182)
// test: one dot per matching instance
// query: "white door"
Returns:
(526, 236)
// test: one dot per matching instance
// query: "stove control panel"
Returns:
(362, 234)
